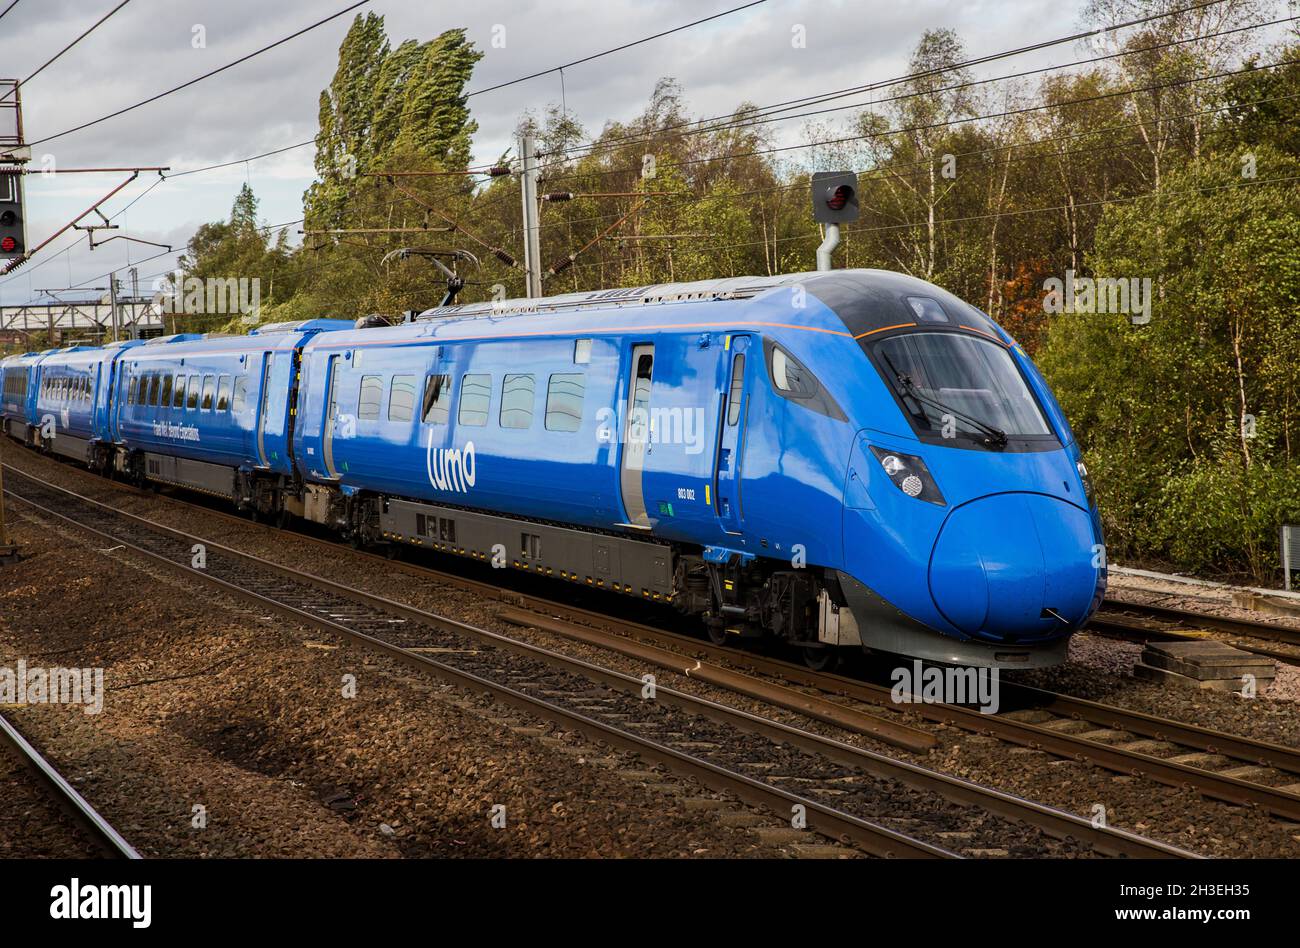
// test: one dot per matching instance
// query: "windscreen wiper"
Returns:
(994, 436)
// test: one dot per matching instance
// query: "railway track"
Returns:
(883, 805)
(1142, 622)
(98, 830)
(1216, 764)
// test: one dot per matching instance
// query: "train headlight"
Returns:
(910, 475)
(1087, 482)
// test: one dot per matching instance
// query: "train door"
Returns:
(637, 432)
(731, 436)
(264, 409)
(331, 417)
(117, 390)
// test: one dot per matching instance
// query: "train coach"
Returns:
(846, 459)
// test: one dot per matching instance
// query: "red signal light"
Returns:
(839, 197)
(8, 244)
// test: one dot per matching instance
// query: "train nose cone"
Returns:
(1003, 564)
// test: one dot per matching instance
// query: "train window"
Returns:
(165, 398)
(372, 396)
(130, 391)
(737, 393)
(792, 380)
(517, 401)
(581, 351)
(178, 393)
(209, 389)
(155, 380)
(192, 397)
(239, 400)
(437, 399)
(789, 376)
(401, 400)
(223, 393)
(475, 400)
(564, 395)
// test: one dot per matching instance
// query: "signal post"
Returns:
(13, 238)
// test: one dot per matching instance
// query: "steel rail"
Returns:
(1228, 789)
(100, 831)
(1249, 627)
(829, 821)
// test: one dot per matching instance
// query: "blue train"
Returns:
(846, 459)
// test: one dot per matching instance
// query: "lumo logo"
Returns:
(453, 469)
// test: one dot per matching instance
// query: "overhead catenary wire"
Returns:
(207, 75)
(500, 85)
(716, 158)
(41, 68)
(909, 77)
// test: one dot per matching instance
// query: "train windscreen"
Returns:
(954, 384)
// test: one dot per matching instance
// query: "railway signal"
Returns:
(834, 202)
(13, 242)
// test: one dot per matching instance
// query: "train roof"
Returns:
(857, 303)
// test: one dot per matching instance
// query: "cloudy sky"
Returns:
(271, 101)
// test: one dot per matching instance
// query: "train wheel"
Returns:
(717, 633)
(820, 658)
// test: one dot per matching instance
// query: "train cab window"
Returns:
(155, 380)
(736, 395)
(240, 399)
(223, 393)
(437, 399)
(564, 395)
(581, 351)
(192, 397)
(517, 393)
(475, 400)
(165, 398)
(209, 389)
(178, 393)
(401, 399)
(371, 397)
